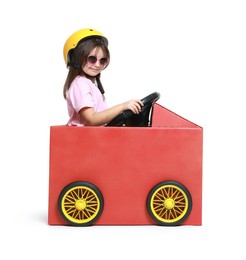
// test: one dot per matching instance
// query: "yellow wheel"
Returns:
(169, 203)
(80, 203)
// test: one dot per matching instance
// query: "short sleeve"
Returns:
(80, 95)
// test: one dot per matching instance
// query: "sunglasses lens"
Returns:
(92, 59)
(103, 61)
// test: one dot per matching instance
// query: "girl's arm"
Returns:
(93, 118)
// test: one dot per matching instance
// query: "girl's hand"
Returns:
(134, 105)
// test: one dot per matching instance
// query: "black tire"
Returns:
(128, 118)
(169, 203)
(80, 203)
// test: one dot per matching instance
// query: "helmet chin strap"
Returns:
(99, 85)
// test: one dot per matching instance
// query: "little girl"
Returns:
(86, 55)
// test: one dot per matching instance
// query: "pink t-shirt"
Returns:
(83, 93)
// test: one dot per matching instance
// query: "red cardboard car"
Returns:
(128, 175)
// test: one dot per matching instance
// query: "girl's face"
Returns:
(96, 62)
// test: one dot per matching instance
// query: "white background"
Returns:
(192, 52)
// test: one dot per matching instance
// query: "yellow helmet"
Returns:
(76, 37)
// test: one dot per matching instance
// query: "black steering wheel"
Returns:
(128, 118)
